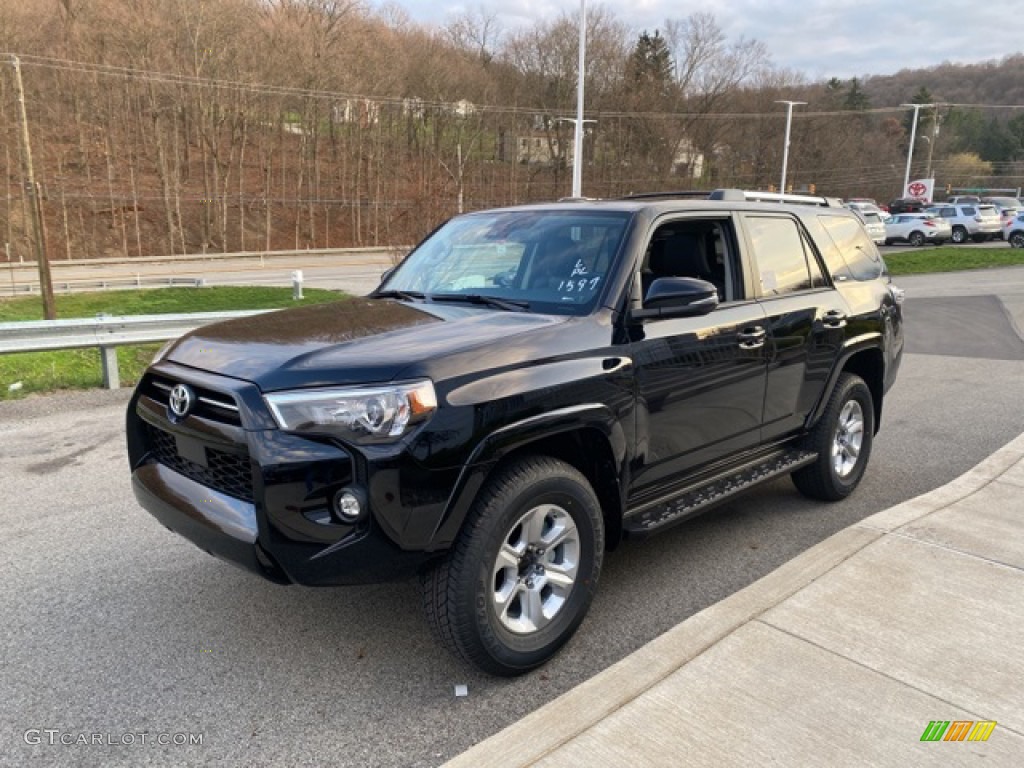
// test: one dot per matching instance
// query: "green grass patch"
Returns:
(81, 368)
(951, 259)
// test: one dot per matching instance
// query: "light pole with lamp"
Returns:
(913, 137)
(785, 146)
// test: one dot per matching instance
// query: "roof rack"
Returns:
(742, 195)
(698, 193)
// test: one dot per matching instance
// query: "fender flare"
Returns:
(866, 343)
(511, 437)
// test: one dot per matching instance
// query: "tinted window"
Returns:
(968, 210)
(859, 252)
(779, 251)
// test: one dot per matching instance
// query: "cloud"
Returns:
(819, 38)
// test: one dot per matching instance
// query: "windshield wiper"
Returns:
(401, 295)
(510, 305)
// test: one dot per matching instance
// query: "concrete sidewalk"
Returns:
(841, 657)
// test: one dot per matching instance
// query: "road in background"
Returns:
(354, 271)
(113, 626)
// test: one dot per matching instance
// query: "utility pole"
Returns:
(35, 206)
(931, 141)
(785, 146)
(581, 69)
(913, 137)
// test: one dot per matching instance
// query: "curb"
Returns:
(541, 732)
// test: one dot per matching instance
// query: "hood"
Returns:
(344, 342)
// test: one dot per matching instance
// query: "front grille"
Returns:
(211, 405)
(228, 473)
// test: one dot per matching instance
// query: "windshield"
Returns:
(548, 261)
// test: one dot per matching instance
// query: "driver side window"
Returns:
(693, 248)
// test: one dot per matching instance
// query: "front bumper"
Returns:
(237, 487)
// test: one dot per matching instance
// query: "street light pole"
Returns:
(785, 146)
(913, 137)
(577, 145)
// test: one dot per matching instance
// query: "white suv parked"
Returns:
(979, 221)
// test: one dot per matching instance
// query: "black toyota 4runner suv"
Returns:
(530, 385)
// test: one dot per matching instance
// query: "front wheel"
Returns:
(916, 239)
(842, 439)
(1017, 240)
(522, 574)
(959, 235)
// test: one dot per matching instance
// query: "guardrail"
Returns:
(106, 333)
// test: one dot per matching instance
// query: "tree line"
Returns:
(182, 126)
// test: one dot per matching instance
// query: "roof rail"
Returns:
(741, 195)
(698, 193)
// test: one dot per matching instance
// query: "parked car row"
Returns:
(959, 219)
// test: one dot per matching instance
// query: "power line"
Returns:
(415, 103)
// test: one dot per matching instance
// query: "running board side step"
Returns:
(697, 498)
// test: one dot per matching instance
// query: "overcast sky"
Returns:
(819, 38)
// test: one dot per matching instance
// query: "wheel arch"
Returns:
(866, 361)
(587, 438)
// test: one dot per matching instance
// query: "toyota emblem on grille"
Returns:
(181, 400)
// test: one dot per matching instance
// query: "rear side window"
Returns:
(862, 258)
(968, 210)
(781, 255)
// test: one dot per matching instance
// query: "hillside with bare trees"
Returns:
(181, 126)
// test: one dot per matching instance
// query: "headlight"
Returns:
(363, 414)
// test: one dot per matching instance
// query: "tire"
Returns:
(495, 601)
(959, 235)
(916, 239)
(888, 241)
(842, 439)
(1017, 240)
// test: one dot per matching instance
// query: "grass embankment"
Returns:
(951, 259)
(80, 368)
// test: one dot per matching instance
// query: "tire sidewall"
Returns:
(515, 651)
(854, 389)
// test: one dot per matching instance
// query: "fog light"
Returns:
(347, 505)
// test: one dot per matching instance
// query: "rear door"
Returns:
(806, 318)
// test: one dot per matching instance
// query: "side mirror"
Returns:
(387, 273)
(678, 297)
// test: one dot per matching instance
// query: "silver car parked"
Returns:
(978, 221)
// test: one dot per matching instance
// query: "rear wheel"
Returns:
(842, 439)
(520, 578)
(959, 235)
(916, 239)
(1017, 240)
